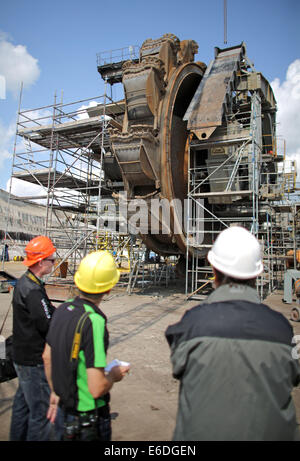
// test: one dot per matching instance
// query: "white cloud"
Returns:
(25, 189)
(34, 118)
(82, 113)
(7, 135)
(17, 65)
(2, 87)
(6, 141)
(287, 95)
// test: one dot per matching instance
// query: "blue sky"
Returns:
(57, 43)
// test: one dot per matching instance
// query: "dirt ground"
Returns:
(144, 404)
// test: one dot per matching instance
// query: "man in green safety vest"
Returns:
(75, 354)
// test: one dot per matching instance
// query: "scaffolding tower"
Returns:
(58, 152)
(242, 182)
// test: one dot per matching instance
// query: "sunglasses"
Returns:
(51, 260)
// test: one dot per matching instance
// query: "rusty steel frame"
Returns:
(171, 100)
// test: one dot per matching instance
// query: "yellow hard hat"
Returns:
(97, 273)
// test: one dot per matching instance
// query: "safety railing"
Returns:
(118, 55)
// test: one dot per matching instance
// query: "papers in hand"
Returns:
(115, 363)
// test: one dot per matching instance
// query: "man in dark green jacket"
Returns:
(233, 355)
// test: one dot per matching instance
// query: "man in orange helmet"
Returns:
(32, 312)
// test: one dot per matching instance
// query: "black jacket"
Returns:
(233, 357)
(32, 312)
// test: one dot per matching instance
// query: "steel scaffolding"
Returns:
(59, 152)
(243, 187)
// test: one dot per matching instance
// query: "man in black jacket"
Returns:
(32, 311)
(233, 355)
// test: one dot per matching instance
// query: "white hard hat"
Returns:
(236, 253)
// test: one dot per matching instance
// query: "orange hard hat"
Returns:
(37, 249)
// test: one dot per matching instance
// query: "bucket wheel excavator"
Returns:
(173, 103)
